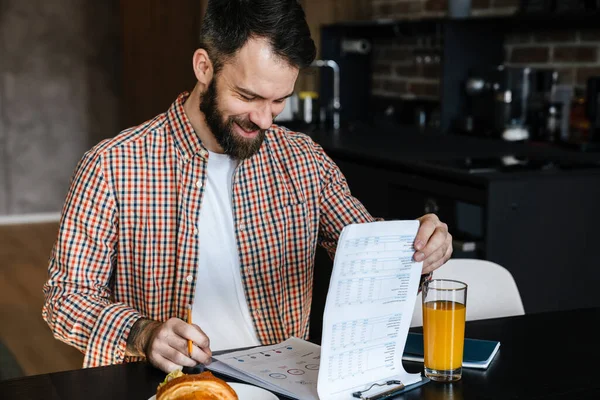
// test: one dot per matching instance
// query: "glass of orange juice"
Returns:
(444, 312)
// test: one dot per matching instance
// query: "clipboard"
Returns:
(398, 389)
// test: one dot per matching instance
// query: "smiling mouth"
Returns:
(244, 132)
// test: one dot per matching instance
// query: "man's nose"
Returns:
(263, 117)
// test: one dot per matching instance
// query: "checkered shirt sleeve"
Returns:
(78, 306)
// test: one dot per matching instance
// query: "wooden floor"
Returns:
(24, 252)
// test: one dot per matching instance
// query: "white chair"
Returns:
(491, 292)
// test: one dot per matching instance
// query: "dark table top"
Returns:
(551, 355)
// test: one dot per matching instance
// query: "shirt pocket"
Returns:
(277, 238)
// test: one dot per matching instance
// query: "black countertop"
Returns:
(407, 149)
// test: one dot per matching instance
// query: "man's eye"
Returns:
(246, 98)
(279, 101)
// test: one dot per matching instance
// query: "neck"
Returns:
(196, 117)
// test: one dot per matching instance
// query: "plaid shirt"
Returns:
(127, 245)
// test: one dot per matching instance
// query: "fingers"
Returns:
(168, 346)
(433, 243)
(163, 364)
(434, 261)
(201, 350)
(193, 333)
(433, 236)
(177, 357)
(439, 257)
(201, 356)
(428, 225)
(438, 240)
(160, 348)
(449, 249)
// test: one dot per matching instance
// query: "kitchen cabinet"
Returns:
(541, 228)
(538, 220)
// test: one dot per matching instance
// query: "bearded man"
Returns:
(210, 206)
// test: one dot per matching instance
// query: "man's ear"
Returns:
(203, 67)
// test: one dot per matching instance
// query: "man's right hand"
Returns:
(165, 344)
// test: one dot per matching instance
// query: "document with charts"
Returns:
(369, 307)
(290, 368)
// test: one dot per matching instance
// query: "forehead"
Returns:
(257, 68)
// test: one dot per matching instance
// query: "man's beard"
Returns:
(231, 142)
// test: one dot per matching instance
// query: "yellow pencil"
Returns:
(189, 321)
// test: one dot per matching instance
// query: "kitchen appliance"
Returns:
(308, 110)
(335, 105)
(504, 101)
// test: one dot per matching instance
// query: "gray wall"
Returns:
(59, 95)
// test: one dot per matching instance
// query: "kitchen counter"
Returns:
(407, 149)
(537, 220)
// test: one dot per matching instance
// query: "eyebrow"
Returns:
(250, 93)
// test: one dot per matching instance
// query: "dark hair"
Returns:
(228, 24)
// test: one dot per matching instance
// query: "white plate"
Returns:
(247, 392)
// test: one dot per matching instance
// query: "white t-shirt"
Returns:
(220, 308)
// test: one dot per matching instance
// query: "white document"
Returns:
(224, 369)
(369, 307)
(290, 368)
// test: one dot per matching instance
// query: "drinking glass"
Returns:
(444, 312)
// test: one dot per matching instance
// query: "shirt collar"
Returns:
(186, 139)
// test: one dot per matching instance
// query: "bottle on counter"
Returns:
(553, 118)
(579, 124)
(309, 108)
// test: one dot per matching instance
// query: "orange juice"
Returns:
(443, 334)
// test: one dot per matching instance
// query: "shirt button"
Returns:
(198, 184)
(242, 227)
(195, 231)
(203, 153)
(189, 278)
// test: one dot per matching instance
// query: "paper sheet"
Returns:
(290, 367)
(224, 369)
(369, 307)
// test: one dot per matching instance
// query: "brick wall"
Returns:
(575, 54)
(407, 67)
(436, 8)
(401, 69)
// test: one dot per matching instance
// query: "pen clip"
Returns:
(383, 395)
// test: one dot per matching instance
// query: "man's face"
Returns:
(242, 100)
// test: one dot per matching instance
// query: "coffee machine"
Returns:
(507, 102)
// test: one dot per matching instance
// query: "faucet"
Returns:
(336, 88)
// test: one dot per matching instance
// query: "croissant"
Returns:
(203, 386)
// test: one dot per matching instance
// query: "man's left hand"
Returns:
(433, 243)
